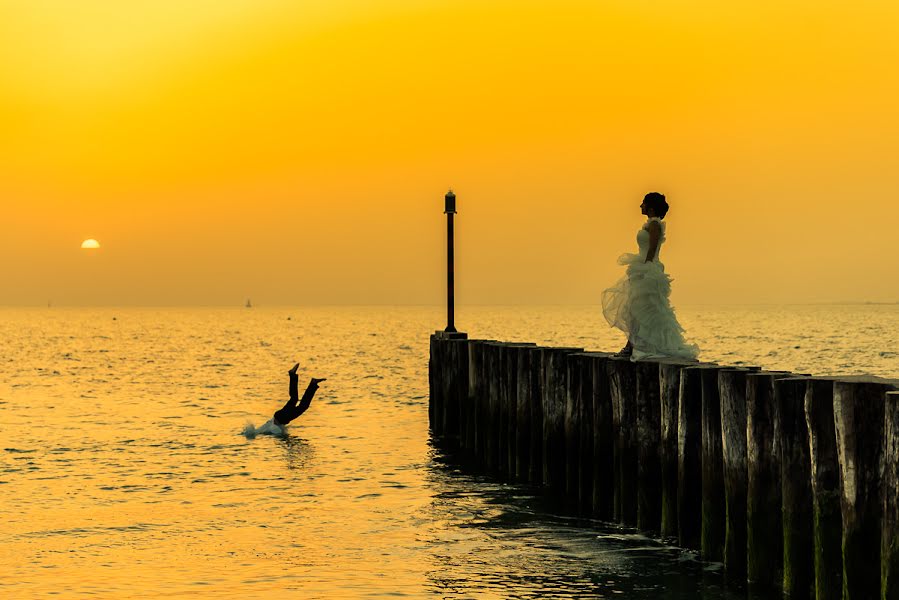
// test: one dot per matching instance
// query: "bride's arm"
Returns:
(655, 232)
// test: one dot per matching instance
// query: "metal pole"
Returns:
(450, 268)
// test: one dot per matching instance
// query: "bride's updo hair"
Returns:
(657, 203)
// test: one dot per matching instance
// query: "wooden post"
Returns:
(858, 412)
(553, 418)
(796, 487)
(450, 385)
(603, 442)
(535, 471)
(491, 414)
(689, 458)
(586, 435)
(508, 407)
(467, 423)
(527, 384)
(574, 384)
(649, 433)
(478, 389)
(463, 398)
(553, 423)
(889, 549)
(508, 410)
(468, 402)
(501, 416)
(669, 389)
(622, 379)
(432, 362)
(827, 521)
(764, 529)
(712, 469)
(435, 397)
(445, 371)
(732, 391)
(457, 390)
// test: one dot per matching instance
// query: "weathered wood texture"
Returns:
(508, 400)
(712, 468)
(732, 391)
(796, 487)
(649, 432)
(858, 411)
(474, 424)
(764, 530)
(509, 409)
(554, 398)
(447, 381)
(457, 390)
(603, 441)
(504, 401)
(827, 521)
(622, 384)
(535, 469)
(437, 382)
(792, 481)
(509, 412)
(522, 428)
(586, 436)
(574, 398)
(889, 571)
(433, 361)
(689, 458)
(490, 420)
(669, 390)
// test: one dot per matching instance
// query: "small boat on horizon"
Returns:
(248, 304)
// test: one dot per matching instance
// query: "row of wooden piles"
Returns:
(791, 481)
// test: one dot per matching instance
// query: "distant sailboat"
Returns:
(248, 305)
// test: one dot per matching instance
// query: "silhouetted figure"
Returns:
(294, 407)
(638, 303)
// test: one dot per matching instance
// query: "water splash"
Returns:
(250, 431)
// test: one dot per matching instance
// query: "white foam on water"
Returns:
(250, 431)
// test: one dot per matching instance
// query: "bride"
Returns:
(638, 303)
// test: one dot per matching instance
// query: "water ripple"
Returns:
(123, 467)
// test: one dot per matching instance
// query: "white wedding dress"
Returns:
(638, 304)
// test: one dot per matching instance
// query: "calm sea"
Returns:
(123, 471)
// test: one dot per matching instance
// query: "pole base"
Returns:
(450, 335)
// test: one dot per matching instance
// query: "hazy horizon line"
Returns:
(442, 306)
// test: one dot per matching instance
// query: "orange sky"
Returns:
(225, 149)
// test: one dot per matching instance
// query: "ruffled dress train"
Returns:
(638, 304)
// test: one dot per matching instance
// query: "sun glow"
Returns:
(90, 244)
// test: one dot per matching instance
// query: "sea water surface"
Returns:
(123, 471)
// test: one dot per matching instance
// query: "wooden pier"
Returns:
(790, 481)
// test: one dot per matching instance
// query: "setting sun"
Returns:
(90, 244)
